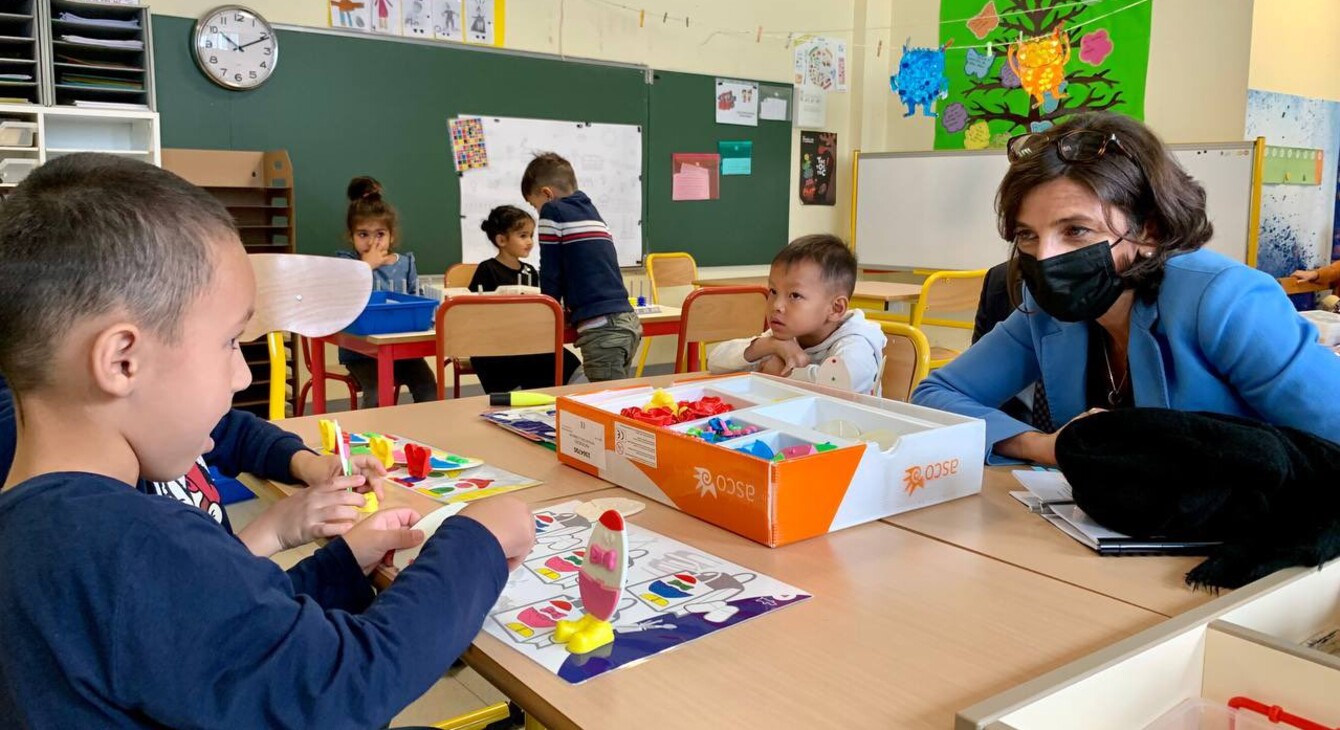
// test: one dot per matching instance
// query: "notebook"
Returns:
(1048, 494)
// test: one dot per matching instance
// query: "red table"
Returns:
(388, 348)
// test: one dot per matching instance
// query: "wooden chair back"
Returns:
(480, 325)
(459, 275)
(721, 313)
(907, 357)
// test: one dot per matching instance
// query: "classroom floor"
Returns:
(461, 691)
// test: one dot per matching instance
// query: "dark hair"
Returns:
(87, 234)
(365, 204)
(548, 169)
(503, 220)
(1149, 187)
(830, 253)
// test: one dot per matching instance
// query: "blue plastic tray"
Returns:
(390, 312)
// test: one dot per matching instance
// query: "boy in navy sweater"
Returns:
(123, 293)
(243, 442)
(579, 268)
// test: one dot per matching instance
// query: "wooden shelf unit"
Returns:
(21, 52)
(257, 189)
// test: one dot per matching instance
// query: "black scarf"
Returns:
(1271, 494)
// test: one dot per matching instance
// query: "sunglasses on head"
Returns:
(1080, 145)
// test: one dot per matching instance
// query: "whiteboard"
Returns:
(606, 157)
(936, 210)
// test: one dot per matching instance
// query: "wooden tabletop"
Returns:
(667, 314)
(903, 630)
(882, 290)
(997, 525)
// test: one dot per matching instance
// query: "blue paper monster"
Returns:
(921, 79)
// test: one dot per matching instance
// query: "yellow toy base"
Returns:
(370, 505)
(584, 635)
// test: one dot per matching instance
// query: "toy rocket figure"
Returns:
(600, 581)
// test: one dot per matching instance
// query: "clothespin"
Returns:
(642, 18)
(879, 48)
(665, 17)
(789, 38)
(989, 52)
(686, 21)
(758, 37)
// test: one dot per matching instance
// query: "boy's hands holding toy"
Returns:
(325, 511)
(316, 471)
(373, 540)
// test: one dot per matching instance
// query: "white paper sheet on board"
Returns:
(606, 157)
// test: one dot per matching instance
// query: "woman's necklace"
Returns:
(1114, 395)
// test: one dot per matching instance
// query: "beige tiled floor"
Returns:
(461, 691)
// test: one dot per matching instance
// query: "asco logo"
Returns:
(916, 477)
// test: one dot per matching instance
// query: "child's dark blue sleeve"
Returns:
(333, 578)
(246, 442)
(411, 275)
(243, 651)
(8, 429)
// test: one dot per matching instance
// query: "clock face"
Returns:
(235, 47)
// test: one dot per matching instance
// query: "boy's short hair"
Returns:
(836, 262)
(87, 234)
(548, 169)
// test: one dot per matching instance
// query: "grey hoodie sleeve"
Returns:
(728, 357)
(859, 356)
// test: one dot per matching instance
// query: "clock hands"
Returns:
(258, 40)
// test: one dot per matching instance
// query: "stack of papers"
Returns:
(101, 22)
(107, 105)
(132, 45)
(16, 77)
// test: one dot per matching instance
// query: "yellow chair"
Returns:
(459, 275)
(947, 291)
(666, 270)
(312, 296)
(907, 359)
(478, 719)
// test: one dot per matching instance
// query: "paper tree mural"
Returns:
(1043, 61)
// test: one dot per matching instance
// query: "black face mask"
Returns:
(1078, 286)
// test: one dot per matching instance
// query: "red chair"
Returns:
(484, 325)
(717, 313)
(348, 380)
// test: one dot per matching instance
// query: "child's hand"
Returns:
(1305, 276)
(791, 354)
(373, 540)
(510, 521)
(377, 256)
(774, 365)
(318, 471)
(325, 511)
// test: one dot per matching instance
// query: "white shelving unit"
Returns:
(66, 130)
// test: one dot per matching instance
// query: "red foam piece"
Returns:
(612, 519)
(418, 460)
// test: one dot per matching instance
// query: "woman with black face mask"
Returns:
(1122, 307)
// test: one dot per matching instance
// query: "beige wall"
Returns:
(1293, 48)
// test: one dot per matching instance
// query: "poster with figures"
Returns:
(674, 594)
(1018, 66)
(483, 22)
(821, 64)
(448, 22)
(418, 19)
(737, 102)
(818, 165)
(351, 14)
(386, 16)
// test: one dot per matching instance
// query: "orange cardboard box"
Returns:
(888, 457)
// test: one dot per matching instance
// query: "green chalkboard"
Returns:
(345, 106)
(748, 224)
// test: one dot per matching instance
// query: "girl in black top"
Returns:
(512, 231)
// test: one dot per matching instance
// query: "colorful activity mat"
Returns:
(675, 594)
(452, 479)
(538, 424)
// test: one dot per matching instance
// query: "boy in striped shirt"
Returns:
(578, 267)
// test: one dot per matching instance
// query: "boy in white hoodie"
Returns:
(809, 286)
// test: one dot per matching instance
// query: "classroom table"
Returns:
(997, 525)
(881, 293)
(387, 348)
(903, 630)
